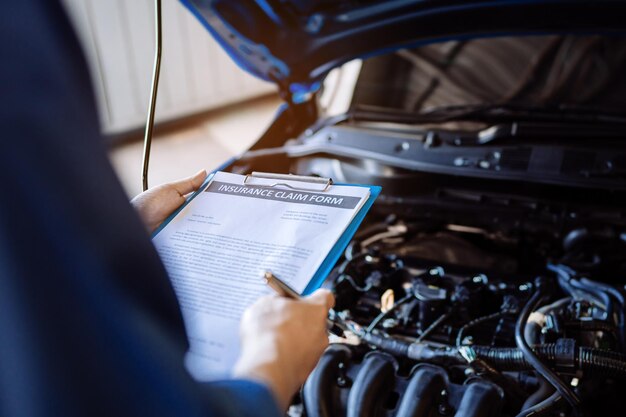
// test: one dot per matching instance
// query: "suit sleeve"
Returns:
(243, 398)
(89, 325)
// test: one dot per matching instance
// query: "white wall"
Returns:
(196, 75)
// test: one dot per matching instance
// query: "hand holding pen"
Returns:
(282, 340)
(284, 290)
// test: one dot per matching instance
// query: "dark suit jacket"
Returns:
(89, 325)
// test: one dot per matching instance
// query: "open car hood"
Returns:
(296, 43)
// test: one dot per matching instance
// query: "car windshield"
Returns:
(582, 73)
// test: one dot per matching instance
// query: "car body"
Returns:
(497, 131)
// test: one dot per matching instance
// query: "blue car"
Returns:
(488, 278)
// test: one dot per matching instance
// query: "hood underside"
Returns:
(296, 43)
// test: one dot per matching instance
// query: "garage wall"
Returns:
(196, 75)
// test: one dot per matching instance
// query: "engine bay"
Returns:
(466, 303)
(488, 278)
(465, 295)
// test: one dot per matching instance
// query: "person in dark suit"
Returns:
(89, 325)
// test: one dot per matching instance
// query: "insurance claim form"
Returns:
(218, 247)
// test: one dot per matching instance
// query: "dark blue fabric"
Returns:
(89, 325)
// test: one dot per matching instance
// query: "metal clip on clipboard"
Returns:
(323, 184)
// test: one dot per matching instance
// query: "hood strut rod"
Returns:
(147, 142)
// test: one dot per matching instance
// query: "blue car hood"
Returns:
(296, 43)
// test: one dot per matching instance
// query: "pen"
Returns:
(280, 286)
(285, 290)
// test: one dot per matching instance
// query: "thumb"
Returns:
(189, 184)
(322, 297)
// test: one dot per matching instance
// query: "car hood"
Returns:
(296, 43)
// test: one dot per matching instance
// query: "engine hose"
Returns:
(605, 298)
(574, 288)
(601, 292)
(388, 344)
(595, 361)
(546, 407)
(602, 362)
(565, 278)
(533, 327)
(544, 391)
(591, 326)
(532, 358)
(619, 296)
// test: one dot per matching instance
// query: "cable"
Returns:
(533, 359)
(596, 361)
(459, 336)
(571, 285)
(588, 360)
(384, 314)
(543, 408)
(346, 277)
(599, 294)
(615, 293)
(538, 318)
(433, 326)
(344, 265)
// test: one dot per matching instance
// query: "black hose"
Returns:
(599, 294)
(602, 362)
(595, 361)
(545, 407)
(597, 291)
(619, 296)
(388, 344)
(532, 358)
(571, 286)
(532, 330)
(544, 391)
(591, 326)
(608, 288)
(608, 363)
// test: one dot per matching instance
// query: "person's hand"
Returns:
(157, 203)
(282, 341)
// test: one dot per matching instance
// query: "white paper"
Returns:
(218, 247)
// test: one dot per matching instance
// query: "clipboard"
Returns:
(311, 184)
(318, 184)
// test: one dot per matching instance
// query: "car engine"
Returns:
(468, 303)
(488, 278)
(465, 293)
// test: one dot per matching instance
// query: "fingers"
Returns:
(322, 297)
(189, 184)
